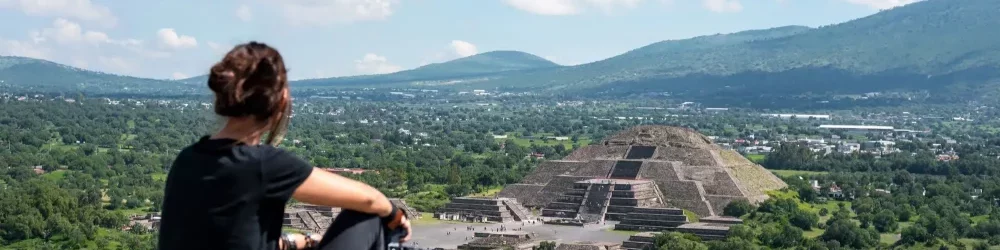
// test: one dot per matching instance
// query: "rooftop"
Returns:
(862, 127)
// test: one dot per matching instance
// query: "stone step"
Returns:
(630, 227)
(636, 245)
(655, 223)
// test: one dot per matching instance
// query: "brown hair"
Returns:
(251, 81)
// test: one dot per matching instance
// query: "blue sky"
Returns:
(325, 38)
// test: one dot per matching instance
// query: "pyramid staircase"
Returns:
(518, 212)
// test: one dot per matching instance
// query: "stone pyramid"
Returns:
(644, 167)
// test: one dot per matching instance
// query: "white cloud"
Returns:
(723, 6)
(67, 32)
(75, 9)
(25, 49)
(609, 5)
(178, 76)
(375, 64)
(170, 38)
(326, 12)
(70, 43)
(463, 48)
(244, 13)
(882, 4)
(569, 7)
(546, 7)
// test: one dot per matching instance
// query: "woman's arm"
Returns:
(329, 189)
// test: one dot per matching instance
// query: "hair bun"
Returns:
(220, 79)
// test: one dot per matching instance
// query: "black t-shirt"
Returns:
(222, 194)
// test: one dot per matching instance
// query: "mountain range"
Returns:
(931, 44)
(471, 67)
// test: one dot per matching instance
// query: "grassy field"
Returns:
(756, 158)
(56, 175)
(981, 218)
(888, 238)
(522, 141)
(816, 232)
(794, 173)
(489, 193)
(135, 211)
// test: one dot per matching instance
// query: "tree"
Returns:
(780, 235)
(803, 219)
(904, 213)
(733, 244)
(675, 240)
(738, 208)
(545, 245)
(914, 234)
(885, 221)
(980, 246)
(850, 235)
(824, 211)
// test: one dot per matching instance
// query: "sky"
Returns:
(174, 39)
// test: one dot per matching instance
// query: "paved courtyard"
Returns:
(448, 234)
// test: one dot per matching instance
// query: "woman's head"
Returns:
(251, 86)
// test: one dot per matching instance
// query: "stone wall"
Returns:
(594, 168)
(591, 152)
(722, 184)
(476, 201)
(526, 194)
(557, 187)
(659, 170)
(689, 156)
(588, 246)
(550, 169)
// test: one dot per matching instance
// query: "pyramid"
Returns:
(643, 167)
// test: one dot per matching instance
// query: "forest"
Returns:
(74, 172)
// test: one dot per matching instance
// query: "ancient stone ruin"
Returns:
(483, 210)
(643, 177)
(316, 218)
(711, 228)
(311, 218)
(411, 213)
(504, 240)
(589, 246)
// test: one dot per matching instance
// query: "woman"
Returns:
(228, 191)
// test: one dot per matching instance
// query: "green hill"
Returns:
(931, 44)
(471, 68)
(944, 48)
(29, 74)
(197, 80)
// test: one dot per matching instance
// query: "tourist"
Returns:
(229, 190)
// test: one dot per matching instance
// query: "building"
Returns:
(349, 170)
(800, 116)
(848, 148)
(858, 129)
(836, 191)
